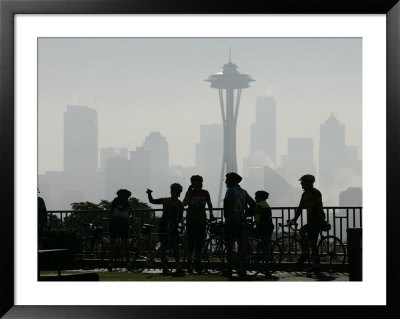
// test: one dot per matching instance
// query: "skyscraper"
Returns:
(209, 157)
(80, 139)
(299, 160)
(339, 166)
(157, 145)
(116, 176)
(140, 171)
(108, 152)
(263, 131)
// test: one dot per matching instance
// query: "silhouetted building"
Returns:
(140, 172)
(80, 139)
(256, 159)
(281, 193)
(51, 189)
(339, 166)
(299, 160)
(108, 152)
(157, 145)
(262, 144)
(80, 180)
(59, 188)
(263, 131)
(116, 173)
(209, 158)
(254, 180)
(175, 175)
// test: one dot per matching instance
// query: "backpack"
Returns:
(121, 209)
(320, 215)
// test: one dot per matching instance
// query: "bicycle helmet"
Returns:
(196, 178)
(236, 178)
(262, 194)
(124, 192)
(177, 187)
(307, 178)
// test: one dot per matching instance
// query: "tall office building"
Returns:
(339, 166)
(299, 160)
(116, 176)
(263, 131)
(108, 152)
(80, 139)
(262, 141)
(140, 172)
(209, 157)
(157, 145)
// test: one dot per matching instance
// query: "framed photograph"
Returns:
(33, 35)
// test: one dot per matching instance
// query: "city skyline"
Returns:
(148, 165)
(181, 100)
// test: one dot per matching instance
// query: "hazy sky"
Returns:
(139, 85)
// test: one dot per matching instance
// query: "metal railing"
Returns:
(340, 218)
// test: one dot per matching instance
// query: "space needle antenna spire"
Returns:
(229, 83)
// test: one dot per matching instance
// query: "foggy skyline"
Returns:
(157, 84)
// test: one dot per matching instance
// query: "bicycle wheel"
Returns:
(137, 255)
(87, 253)
(170, 258)
(214, 255)
(275, 253)
(331, 250)
(291, 248)
(182, 254)
(256, 257)
(105, 247)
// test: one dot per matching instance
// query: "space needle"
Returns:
(229, 80)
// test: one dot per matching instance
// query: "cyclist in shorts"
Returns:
(236, 203)
(311, 199)
(197, 198)
(263, 218)
(119, 213)
(171, 217)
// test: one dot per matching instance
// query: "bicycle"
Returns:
(146, 253)
(97, 243)
(262, 256)
(330, 248)
(213, 255)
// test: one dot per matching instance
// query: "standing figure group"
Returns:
(237, 207)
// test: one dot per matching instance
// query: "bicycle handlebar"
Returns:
(288, 225)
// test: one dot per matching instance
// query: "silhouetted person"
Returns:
(263, 219)
(119, 213)
(42, 215)
(197, 198)
(171, 217)
(311, 199)
(236, 203)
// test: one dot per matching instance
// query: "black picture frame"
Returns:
(8, 8)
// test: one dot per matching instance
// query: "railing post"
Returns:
(354, 249)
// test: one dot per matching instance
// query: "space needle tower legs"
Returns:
(229, 80)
